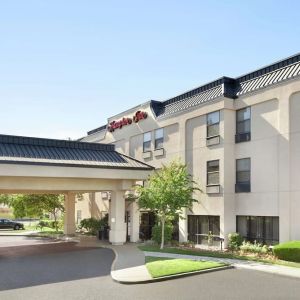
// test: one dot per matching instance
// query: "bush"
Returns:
(156, 233)
(50, 224)
(289, 251)
(235, 240)
(254, 248)
(91, 225)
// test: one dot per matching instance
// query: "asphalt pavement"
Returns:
(84, 273)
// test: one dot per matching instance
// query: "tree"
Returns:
(167, 192)
(35, 205)
(47, 203)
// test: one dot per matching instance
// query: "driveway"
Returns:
(15, 241)
(66, 271)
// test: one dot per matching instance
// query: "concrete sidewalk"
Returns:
(129, 263)
(237, 263)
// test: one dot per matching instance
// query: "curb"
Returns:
(175, 276)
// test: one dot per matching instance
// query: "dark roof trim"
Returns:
(146, 168)
(33, 141)
(270, 68)
(97, 129)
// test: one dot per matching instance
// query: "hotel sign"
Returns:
(138, 116)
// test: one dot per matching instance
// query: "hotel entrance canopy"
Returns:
(37, 165)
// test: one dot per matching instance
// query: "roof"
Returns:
(40, 151)
(275, 73)
(283, 70)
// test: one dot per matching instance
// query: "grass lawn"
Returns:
(217, 254)
(159, 267)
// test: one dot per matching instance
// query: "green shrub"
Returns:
(156, 233)
(289, 251)
(50, 224)
(235, 240)
(254, 248)
(91, 225)
(44, 223)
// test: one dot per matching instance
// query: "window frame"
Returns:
(275, 221)
(212, 172)
(157, 139)
(148, 141)
(236, 174)
(213, 124)
(244, 136)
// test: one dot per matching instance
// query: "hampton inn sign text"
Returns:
(139, 115)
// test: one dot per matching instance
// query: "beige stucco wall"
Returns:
(294, 212)
(274, 150)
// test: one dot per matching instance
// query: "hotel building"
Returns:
(240, 139)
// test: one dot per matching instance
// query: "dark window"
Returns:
(159, 138)
(213, 174)
(243, 125)
(147, 221)
(199, 227)
(243, 175)
(147, 142)
(213, 124)
(264, 230)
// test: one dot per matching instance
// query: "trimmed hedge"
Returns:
(289, 251)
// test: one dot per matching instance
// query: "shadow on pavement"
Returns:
(52, 263)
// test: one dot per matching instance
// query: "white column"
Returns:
(117, 233)
(183, 230)
(69, 217)
(134, 222)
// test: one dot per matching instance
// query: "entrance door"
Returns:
(147, 221)
(127, 219)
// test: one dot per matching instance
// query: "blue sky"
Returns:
(66, 66)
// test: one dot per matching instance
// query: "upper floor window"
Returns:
(243, 175)
(213, 124)
(147, 142)
(213, 172)
(243, 125)
(159, 138)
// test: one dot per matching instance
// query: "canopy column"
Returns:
(117, 233)
(134, 222)
(69, 217)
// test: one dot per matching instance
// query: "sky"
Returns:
(66, 66)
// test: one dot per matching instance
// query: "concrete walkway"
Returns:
(129, 263)
(237, 263)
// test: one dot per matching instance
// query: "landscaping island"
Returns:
(162, 266)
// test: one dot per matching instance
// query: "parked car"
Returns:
(6, 224)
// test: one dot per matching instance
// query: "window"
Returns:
(213, 177)
(264, 230)
(243, 175)
(147, 142)
(199, 226)
(213, 126)
(159, 138)
(243, 125)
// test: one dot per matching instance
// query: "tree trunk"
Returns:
(162, 232)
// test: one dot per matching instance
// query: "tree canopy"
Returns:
(34, 205)
(167, 192)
